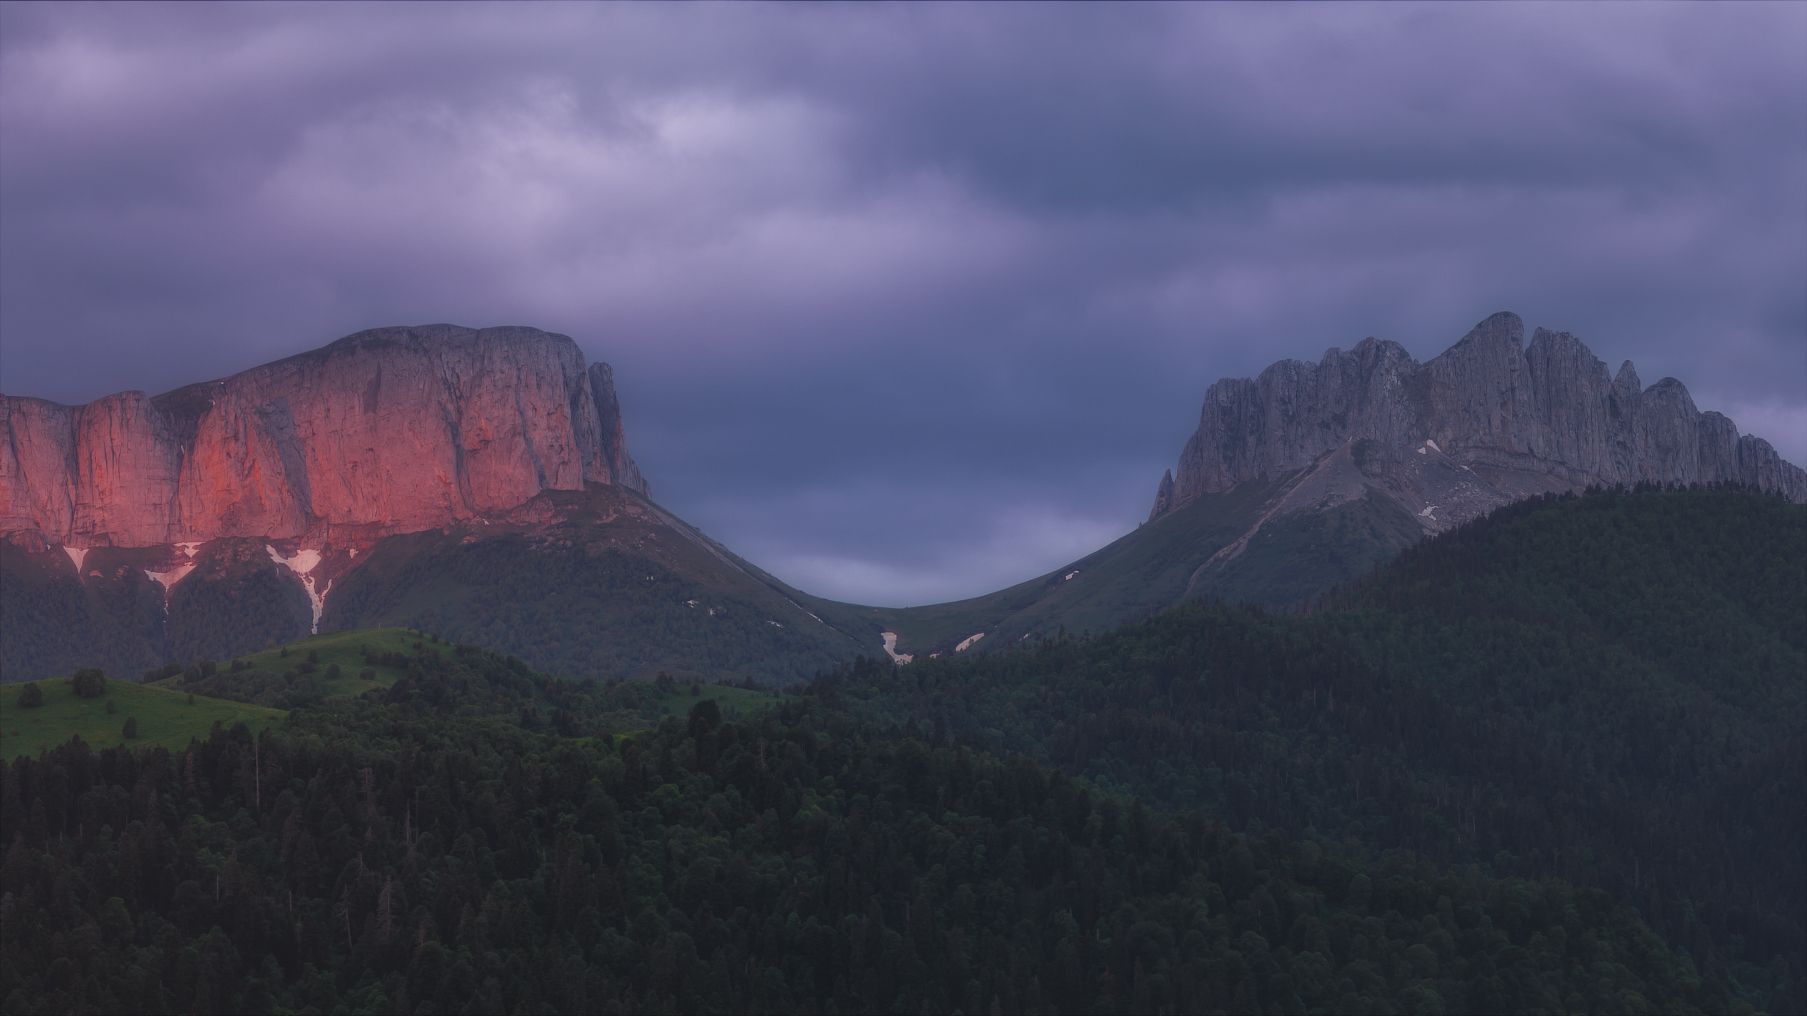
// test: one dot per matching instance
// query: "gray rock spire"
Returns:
(1509, 419)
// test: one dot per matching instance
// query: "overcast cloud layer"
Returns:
(907, 303)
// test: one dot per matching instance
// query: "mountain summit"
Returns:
(1489, 421)
(1312, 474)
(392, 429)
(474, 483)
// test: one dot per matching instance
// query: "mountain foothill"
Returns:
(477, 483)
(1476, 684)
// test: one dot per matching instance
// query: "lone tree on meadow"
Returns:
(131, 727)
(31, 696)
(89, 683)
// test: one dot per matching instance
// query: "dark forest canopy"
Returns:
(1551, 761)
(1610, 689)
(405, 857)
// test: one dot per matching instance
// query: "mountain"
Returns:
(477, 484)
(1312, 474)
(1488, 421)
(389, 430)
(1608, 688)
(477, 465)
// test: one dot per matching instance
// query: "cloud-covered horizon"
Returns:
(907, 303)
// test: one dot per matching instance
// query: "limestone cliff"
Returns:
(389, 430)
(1488, 421)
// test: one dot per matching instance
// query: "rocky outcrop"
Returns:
(390, 430)
(1163, 496)
(1488, 421)
(614, 440)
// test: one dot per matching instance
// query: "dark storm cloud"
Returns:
(907, 302)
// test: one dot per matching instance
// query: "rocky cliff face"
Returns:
(1488, 421)
(390, 430)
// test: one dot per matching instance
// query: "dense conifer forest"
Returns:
(1610, 689)
(1554, 761)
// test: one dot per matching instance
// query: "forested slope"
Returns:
(442, 845)
(1475, 782)
(1609, 688)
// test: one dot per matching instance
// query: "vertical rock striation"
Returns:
(395, 429)
(1518, 419)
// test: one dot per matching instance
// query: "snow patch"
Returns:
(1432, 445)
(690, 603)
(302, 562)
(353, 551)
(774, 624)
(890, 638)
(1426, 513)
(1070, 576)
(188, 549)
(967, 642)
(168, 579)
(76, 556)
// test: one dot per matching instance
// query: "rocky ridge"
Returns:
(1489, 421)
(472, 483)
(386, 431)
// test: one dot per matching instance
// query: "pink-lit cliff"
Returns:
(392, 430)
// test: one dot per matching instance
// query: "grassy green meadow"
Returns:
(166, 718)
(303, 671)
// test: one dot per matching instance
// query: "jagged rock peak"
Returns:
(1500, 328)
(1163, 496)
(1519, 419)
(398, 429)
(1627, 378)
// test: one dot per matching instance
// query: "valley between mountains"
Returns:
(375, 679)
(478, 484)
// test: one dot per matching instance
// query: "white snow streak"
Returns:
(168, 579)
(76, 556)
(303, 562)
(967, 642)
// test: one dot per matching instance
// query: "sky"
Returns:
(907, 303)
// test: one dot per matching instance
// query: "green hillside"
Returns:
(1292, 559)
(1556, 761)
(1170, 560)
(166, 718)
(54, 621)
(327, 671)
(597, 583)
(1145, 571)
(309, 670)
(463, 840)
(1611, 689)
(611, 587)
